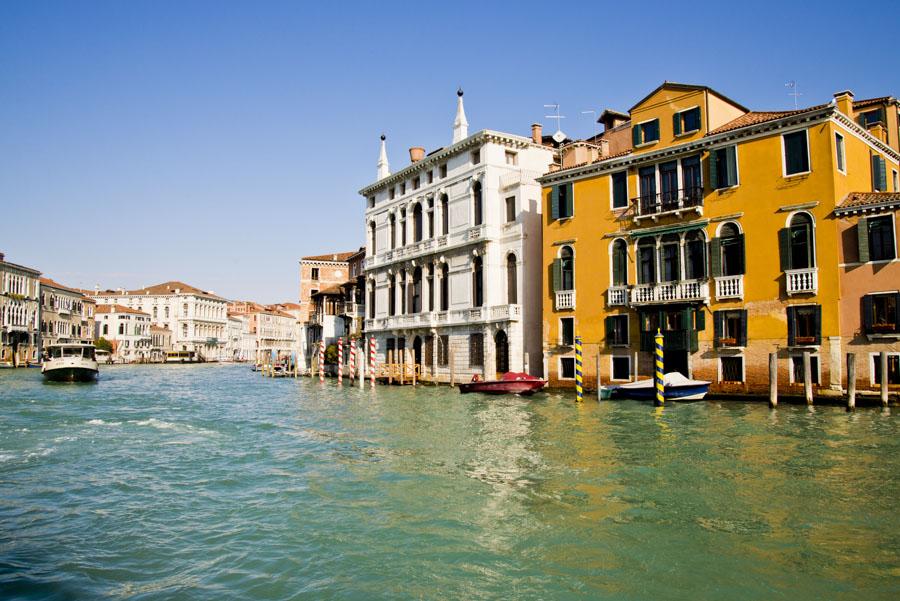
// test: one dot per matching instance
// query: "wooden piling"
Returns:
(452, 370)
(807, 378)
(883, 362)
(414, 365)
(361, 362)
(597, 367)
(390, 366)
(851, 381)
(773, 380)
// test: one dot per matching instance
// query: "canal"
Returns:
(211, 482)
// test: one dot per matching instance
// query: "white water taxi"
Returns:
(75, 362)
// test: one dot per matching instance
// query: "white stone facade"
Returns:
(66, 315)
(128, 330)
(455, 239)
(19, 314)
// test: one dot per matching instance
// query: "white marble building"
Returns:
(128, 330)
(453, 267)
(19, 314)
(197, 318)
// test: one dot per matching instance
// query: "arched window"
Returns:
(512, 283)
(620, 263)
(445, 287)
(392, 296)
(402, 227)
(670, 258)
(477, 282)
(393, 225)
(430, 277)
(646, 251)
(567, 268)
(694, 256)
(417, 222)
(416, 300)
(372, 300)
(477, 203)
(445, 215)
(372, 237)
(728, 249)
(801, 243)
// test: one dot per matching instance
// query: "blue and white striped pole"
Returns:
(659, 374)
(579, 371)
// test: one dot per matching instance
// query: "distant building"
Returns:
(318, 272)
(128, 330)
(19, 314)
(66, 314)
(325, 323)
(160, 343)
(353, 309)
(196, 318)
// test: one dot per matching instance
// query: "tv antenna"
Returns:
(794, 91)
(559, 136)
(593, 115)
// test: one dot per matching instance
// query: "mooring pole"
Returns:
(851, 381)
(579, 375)
(452, 370)
(883, 361)
(372, 359)
(773, 380)
(390, 366)
(599, 383)
(659, 373)
(807, 378)
(341, 361)
(322, 362)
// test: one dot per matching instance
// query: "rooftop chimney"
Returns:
(460, 125)
(384, 169)
(537, 133)
(844, 102)
(416, 154)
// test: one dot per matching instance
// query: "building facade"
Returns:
(717, 226)
(160, 343)
(318, 272)
(128, 330)
(453, 254)
(67, 315)
(196, 318)
(19, 314)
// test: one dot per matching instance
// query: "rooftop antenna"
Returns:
(795, 91)
(593, 115)
(559, 136)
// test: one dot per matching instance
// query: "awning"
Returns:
(669, 229)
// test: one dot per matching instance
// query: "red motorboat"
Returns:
(511, 383)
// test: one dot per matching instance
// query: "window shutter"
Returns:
(636, 135)
(868, 310)
(817, 323)
(713, 170)
(784, 248)
(570, 201)
(554, 202)
(653, 126)
(862, 236)
(743, 265)
(718, 327)
(743, 339)
(731, 166)
(617, 267)
(792, 326)
(676, 123)
(897, 313)
(882, 174)
(609, 330)
(715, 257)
(557, 275)
(700, 319)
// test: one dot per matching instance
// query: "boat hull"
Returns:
(523, 387)
(71, 374)
(676, 388)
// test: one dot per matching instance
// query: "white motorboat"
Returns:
(676, 386)
(74, 362)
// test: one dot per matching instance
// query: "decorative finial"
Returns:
(384, 169)
(460, 125)
(383, 137)
(459, 92)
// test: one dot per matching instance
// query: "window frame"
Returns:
(875, 360)
(840, 153)
(817, 372)
(641, 125)
(893, 230)
(560, 338)
(681, 114)
(784, 173)
(737, 167)
(612, 359)
(721, 370)
(559, 368)
(612, 190)
(619, 317)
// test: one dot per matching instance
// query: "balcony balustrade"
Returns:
(429, 319)
(424, 247)
(730, 286)
(674, 202)
(565, 299)
(617, 296)
(667, 292)
(802, 281)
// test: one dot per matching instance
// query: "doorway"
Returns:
(501, 344)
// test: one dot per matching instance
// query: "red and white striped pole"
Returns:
(352, 370)
(321, 361)
(372, 359)
(341, 360)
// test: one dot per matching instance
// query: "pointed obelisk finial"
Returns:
(384, 169)
(460, 125)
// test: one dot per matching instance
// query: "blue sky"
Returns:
(216, 142)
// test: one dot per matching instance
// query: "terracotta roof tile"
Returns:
(870, 101)
(49, 282)
(119, 309)
(757, 117)
(859, 200)
(159, 289)
(330, 290)
(339, 257)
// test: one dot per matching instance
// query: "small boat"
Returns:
(74, 362)
(511, 383)
(677, 388)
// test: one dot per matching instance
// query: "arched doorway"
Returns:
(502, 351)
(417, 350)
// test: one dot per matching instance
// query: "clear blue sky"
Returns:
(217, 142)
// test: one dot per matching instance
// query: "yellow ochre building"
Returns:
(735, 232)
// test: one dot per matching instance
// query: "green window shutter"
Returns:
(676, 123)
(862, 237)
(570, 201)
(741, 254)
(868, 310)
(713, 170)
(718, 327)
(636, 135)
(653, 130)
(817, 323)
(882, 174)
(557, 275)
(554, 202)
(609, 330)
(743, 339)
(784, 248)
(700, 320)
(897, 313)
(715, 257)
(791, 326)
(731, 166)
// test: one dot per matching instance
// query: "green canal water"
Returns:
(211, 482)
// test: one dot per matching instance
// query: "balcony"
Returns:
(730, 286)
(431, 245)
(667, 292)
(565, 300)
(428, 319)
(674, 203)
(802, 281)
(617, 296)
(506, 312)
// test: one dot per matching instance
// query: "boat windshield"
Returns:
(58, 352)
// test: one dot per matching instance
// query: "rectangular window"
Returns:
(416, 182)
(567, 331)
(796, 153)
(723, 167)
(512, 158)
(840, 156)
(617, 330)
(443, 170)
(510, 209)
(315, 273)
(732, 369)
(881, 238)
(431, 176)
(476, 156)
(686, 121)
(476, 350)
(371, 202)
(567, 368)
(730, 328)
(797, 369)
(645, 133)
(444, 350)
(669, 258)
(804, 325)
(879, 174)
(402, 188)
(620, 190)
(393, 192)
(562, 205)
(621, 368)
(871, 117)
(893, 368)
(880, 315)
